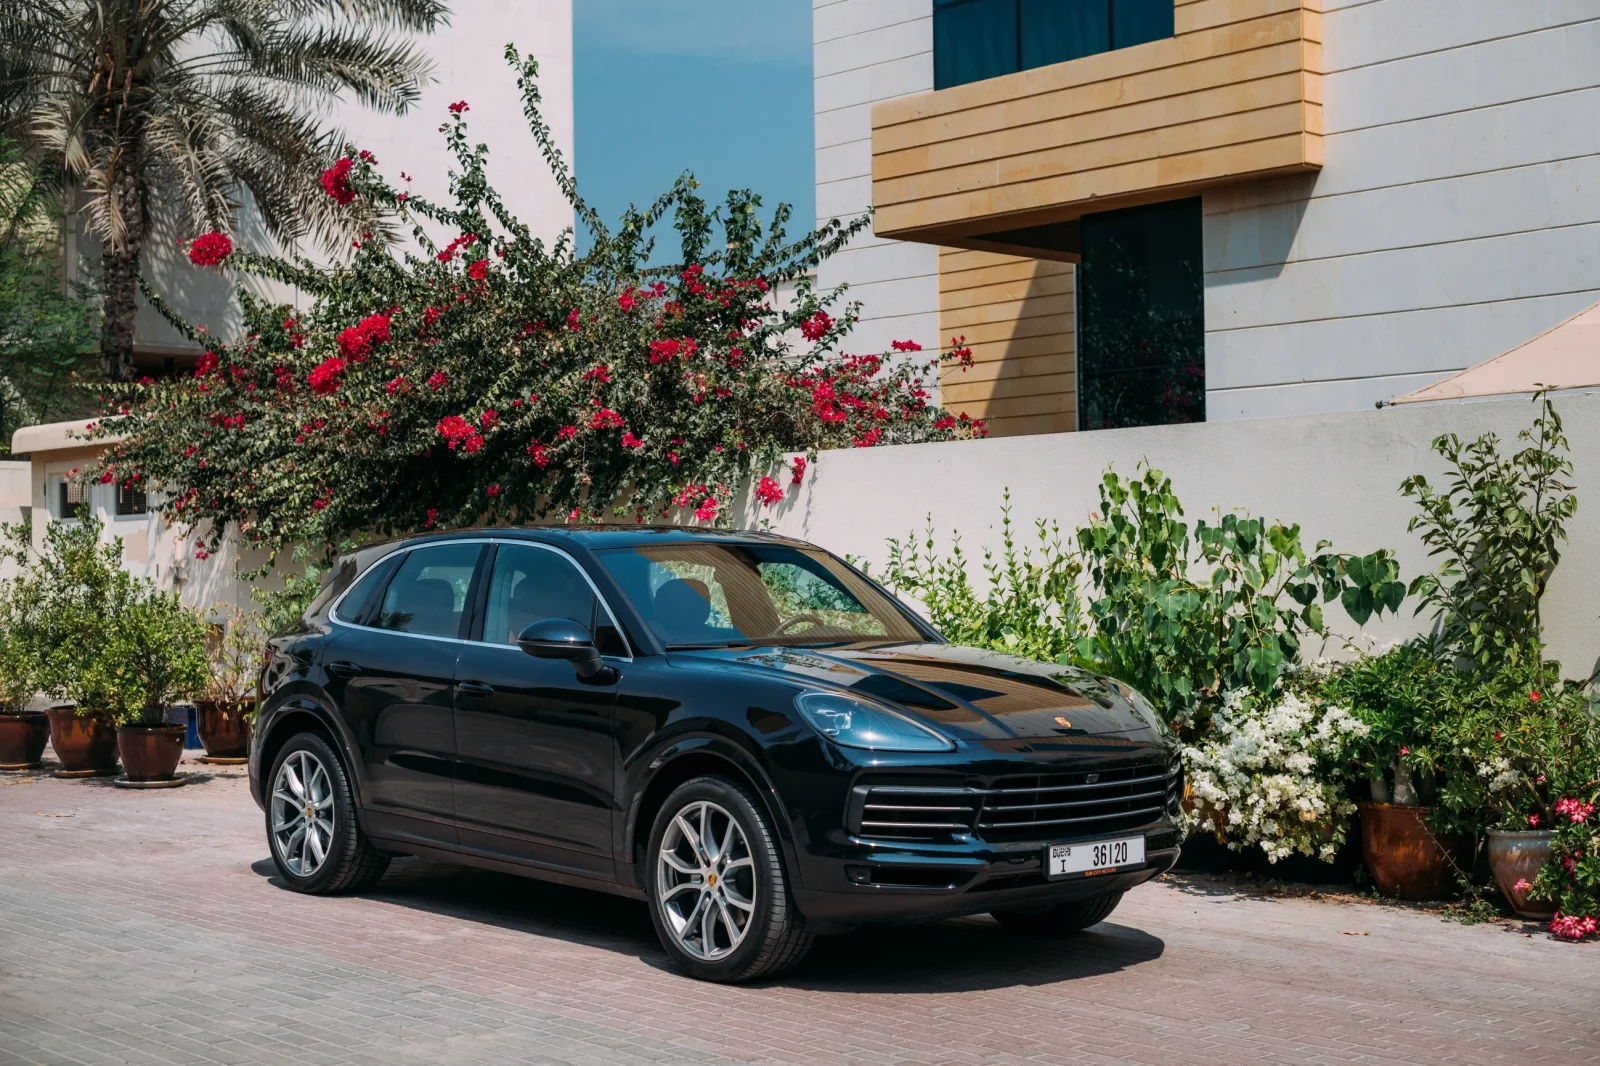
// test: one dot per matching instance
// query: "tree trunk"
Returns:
(120, 267)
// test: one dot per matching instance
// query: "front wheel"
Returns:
(317, 845)
(718, 896)
(1060, 918)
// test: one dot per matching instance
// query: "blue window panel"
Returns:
(1141, 317)
(1139, 21)
(1054, 31)
(973, 40)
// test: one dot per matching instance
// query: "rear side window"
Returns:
(357, 608)
(428, 594)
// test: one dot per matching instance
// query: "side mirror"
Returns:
(562, 638)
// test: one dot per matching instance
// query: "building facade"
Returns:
(1149, 211)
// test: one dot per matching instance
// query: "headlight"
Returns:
(855, 723)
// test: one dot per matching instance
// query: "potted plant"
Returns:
(23, 732)
(226, 705)
(1570, 878)
(1416, 829)
(60, 601)
(154, 653)
(1543, 768)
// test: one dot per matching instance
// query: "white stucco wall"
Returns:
(867, 51)
(1456, 215)
(468, 65)
(1337, 475)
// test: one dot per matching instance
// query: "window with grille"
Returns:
(131, 500)
(70, 495)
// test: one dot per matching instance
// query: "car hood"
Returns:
(967, 692)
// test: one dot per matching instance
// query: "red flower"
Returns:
(478, 269)
(336, 181)
(905, 346)
(1534, 820)
(574, 320)
(707, 511)
(661, 351)
(870, 438)
(205, 364)
(356, 342)
(394, 383)
(433, 513)
(450, 249)
(458, 107)
(541, 456)
(437, 380)
(606, 418)
(210, 249)
(1572, 927)
(601, 373)
(1535, 697)
(799, 469)
(566, 432)
(320, 504)
(816, 327)
(489, 417)
(324, 378)
(630, 441)
(493, 490)
(960, 352)
(768, 492)
(626, 300)
(108, 477)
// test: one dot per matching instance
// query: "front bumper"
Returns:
(879, 883)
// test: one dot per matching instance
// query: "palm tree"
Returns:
(190, 109)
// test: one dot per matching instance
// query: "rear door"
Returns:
(392, 671)
(536, 745)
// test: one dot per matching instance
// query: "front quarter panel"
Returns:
(293, 686)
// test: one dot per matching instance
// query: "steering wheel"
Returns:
(790, 623)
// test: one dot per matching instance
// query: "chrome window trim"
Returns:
(333, 609)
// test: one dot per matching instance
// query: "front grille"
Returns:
(1022, 807)
(1037, 806)
(904, 812)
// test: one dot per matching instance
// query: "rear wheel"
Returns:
(718, 895)
(1059, 918)
(317, 844)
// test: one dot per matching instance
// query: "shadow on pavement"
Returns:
(954, 955)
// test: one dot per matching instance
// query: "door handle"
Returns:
(475, 688)
(343, 669)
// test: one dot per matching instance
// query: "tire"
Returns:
(772, 936)
(349, 862)
(1059, 919)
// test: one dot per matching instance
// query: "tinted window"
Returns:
(719, 594)
(428, 594)
(356, 607)
(978, 39)
(530, 585)
(1141, 317)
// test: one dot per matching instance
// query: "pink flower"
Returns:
(325, 377)
(1534, 820)
(1522, 886)
(210, 249)
(1405, 751)
(336, 181)
(1572, 927)
(816, 327)
(768, 492)
(1577, 811)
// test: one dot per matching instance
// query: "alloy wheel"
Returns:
(302, 813)
(706, 881)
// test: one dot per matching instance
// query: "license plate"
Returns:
(1093, 857)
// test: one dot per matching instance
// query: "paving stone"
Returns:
(148, 927)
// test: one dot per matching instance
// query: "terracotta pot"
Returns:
(1517, 855)
(22, 739)
(85, 743)
(150, 752)
(1406, 857)
(223, 729)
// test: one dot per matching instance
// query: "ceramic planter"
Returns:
(223, 729)
(1407, 859)
(86, 744)
(22, 739)
(1517, 855)
(150, 753)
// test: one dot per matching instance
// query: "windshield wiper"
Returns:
(710, 644)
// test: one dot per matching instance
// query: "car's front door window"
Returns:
(428, 595)
(529, 585)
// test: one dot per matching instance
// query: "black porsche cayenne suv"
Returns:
(740, 729)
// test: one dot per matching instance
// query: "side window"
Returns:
(529, 585)
(428, 595)
(355, 608)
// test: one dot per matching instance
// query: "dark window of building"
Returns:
(131, 500)
(70, 495)
(978, 39)
(1141, 317)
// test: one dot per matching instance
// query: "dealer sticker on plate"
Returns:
(1094, 857)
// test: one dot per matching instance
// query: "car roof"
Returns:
(597, 537)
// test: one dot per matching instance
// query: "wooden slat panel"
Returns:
(993, 362)
(1056, 403)
(966, 392)
(1021, 309)
(1030, 288)
(1016, 328)
(953, 279)
(1234, 95)
(1061, 422)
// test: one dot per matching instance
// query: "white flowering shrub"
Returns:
(1271, 773)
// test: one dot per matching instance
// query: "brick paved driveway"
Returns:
(146, 927)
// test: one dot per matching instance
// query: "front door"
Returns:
(534, 743)
(392, 671)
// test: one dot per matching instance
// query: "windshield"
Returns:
(722, 595)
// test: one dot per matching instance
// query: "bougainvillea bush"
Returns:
(491, 377)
